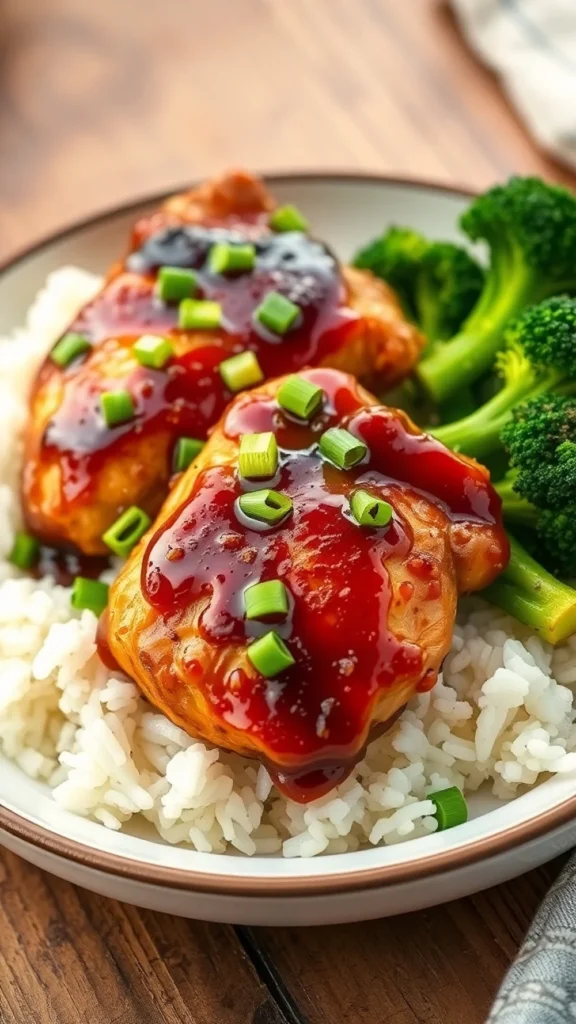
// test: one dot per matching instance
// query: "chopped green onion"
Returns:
(342, 448)
(241, 371)
(265, 506)
(176, 283)
(277, 313)
(187, 448)
(451, 807)
(258, 456)
(25, 551)
(69, 348)
(151, 350)
(288, 218)
(199, 315)
(300, 397)
(226, 259)
(90, 594)
(125, 533)
(266, 601)
(370, 511)
(117, 407)
(269, 655)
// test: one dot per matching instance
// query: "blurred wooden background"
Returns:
(103, 101)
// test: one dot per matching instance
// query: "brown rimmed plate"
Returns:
(500, 840)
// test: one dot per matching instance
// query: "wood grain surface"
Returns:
(103, 101)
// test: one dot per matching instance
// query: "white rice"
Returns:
(502, 714)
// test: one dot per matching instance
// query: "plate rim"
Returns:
(190, 879)
(44, 241)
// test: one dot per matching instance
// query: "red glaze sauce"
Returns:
(188, 396)
(314, 716)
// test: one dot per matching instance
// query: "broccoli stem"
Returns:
(457, 407)
(429, 316)
(471, 352)
(516, 509)
(529, 593)
(478, 434)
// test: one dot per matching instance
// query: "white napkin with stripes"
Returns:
(531, 45)
(540, 987)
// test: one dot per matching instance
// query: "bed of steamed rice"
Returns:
(503, 713)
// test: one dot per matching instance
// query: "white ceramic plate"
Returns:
(501, 840)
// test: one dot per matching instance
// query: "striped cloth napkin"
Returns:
(531, 45)
(540, 987)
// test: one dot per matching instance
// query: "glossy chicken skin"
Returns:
(372, 610)
(79, 474)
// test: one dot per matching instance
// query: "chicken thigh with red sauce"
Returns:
(81, 470)
(369, 609)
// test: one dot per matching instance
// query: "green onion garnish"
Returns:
(125, 533)
(117, 407)
(288, 218)
(25, 551)
(187, 448)
(176, 283)
(269, 655)
(451, 807)
(265, 506)
(258, 459)
(199, 315)
(266, 601)
(241, 371)
(370, 511)
(90, 594)
(277, 313)
(151, 350)
(300, 397)
(69, 348)
(342, 448)
(226, 259)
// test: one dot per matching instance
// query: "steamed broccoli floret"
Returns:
(448, 285)
(437, 282)
(540, 358)
(395, 257)
(539, 491)
(530, 228)
(538, 498)
(526, 589)
(557, 533)
(540, 439)
(552, 530)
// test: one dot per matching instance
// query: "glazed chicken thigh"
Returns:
(364, 530)
(107, 414)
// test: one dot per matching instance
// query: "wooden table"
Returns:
(99, 101)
